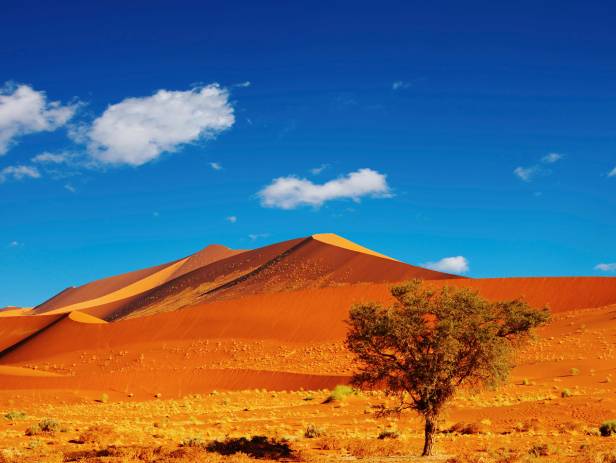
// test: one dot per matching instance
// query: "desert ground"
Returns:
(230, 355)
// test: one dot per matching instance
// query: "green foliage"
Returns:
(430, 342)
(608, 428)
(340, 393)
(14, 415)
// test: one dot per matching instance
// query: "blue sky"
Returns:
(425, 130)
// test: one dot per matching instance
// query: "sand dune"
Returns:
(271, 317)
(113, 289)
(17, 328)
(291, 265)
(557, 293)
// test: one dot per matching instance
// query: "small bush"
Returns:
(465, 428)
(574, 372)
(193, 442)
(374, 448)
(256, 447)
(608, 428)
(104, 398)
(46, 426)
(328, 443)
(313, 431)
(539, 450)
(388, 434)
(525, 382)
(339, 393)
(14, 415)
(565, 393)
(99, 434)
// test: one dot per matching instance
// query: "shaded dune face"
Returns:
(288, 266)
(113, 291)
(95, 289)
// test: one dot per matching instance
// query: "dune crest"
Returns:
(336, 240)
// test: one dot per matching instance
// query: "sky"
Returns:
(473, 137)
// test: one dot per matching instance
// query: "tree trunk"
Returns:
(429, 430)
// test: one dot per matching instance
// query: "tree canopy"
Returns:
(431, 342)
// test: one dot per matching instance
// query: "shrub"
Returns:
(99, 434)
(14, 415)
(46, 426)
(374, 448)
(539, 450)
(565, 393)
(574, 372)
(313, 431)
(339, 393)
(525, 382)
(328, 443)
(388, 434)
(466, 428)
(193, 442)
(104, 398)
(256, 447)
(608, 428)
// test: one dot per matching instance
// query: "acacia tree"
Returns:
(431, 342)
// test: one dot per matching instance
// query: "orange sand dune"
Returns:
(558, 293)
(13, 311)
(6, 370)
(304, 316)
(326, 260)
(170, 383)
(206, 256)
(113, 289)
(17, 328)
(179, 351)
(96, 289)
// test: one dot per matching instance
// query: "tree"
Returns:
(431, 342)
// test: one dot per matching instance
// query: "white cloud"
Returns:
(18, 173)
(256, 236)
(457, 264)
(526, 173)
(70, 188)
(53, 158)
(551, 158)
(611, 267)
(291, 192)
(318, 170)
(612, 173)
(24, 110)
(138, 130)
(244, 84)
(216, 165)
(400, 85)
(14, 244)
(232, 219)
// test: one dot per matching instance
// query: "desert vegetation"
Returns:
(430, 343)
